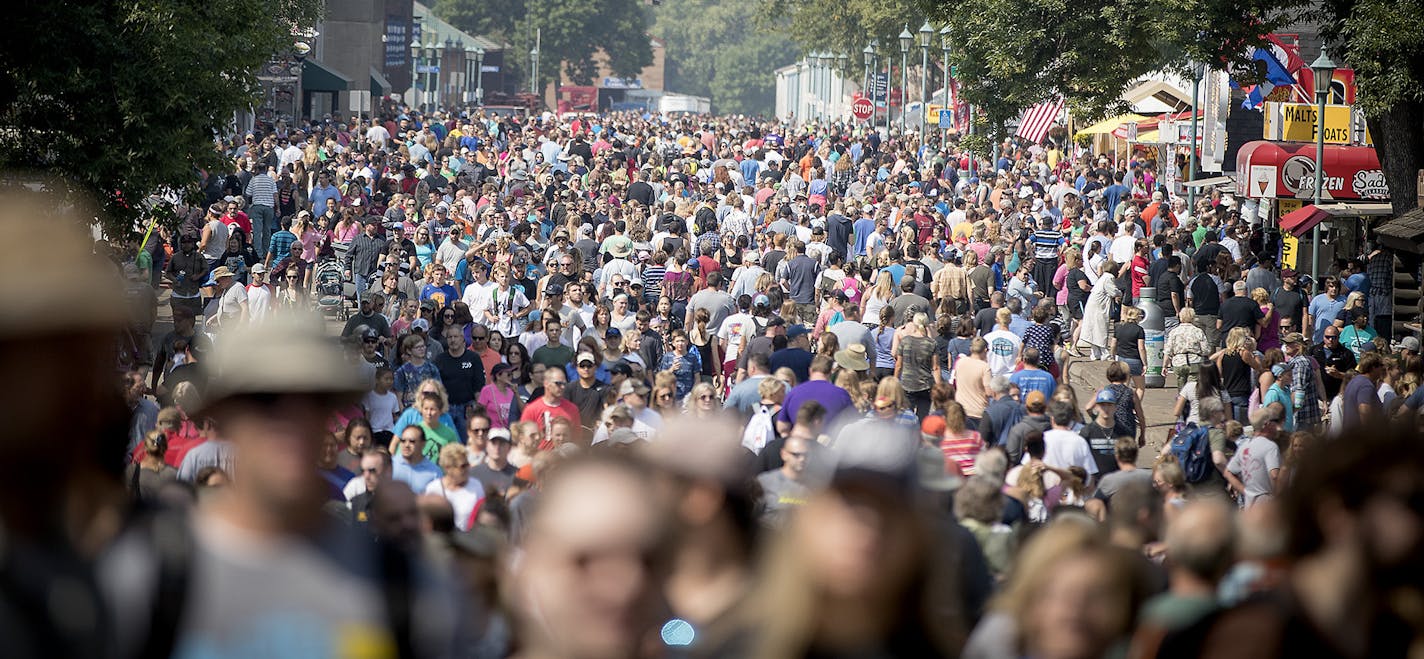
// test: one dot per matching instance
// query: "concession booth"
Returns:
(1280, 176)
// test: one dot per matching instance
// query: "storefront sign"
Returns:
(1287, 170)
(1290, 245)
(1295, 122)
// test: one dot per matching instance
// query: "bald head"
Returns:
(1201, 539)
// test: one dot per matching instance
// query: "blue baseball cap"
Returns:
(796, 330)
(1105, 397)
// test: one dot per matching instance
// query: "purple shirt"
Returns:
(1360, 391)
(831, 397)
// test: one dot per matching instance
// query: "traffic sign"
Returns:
(946, 118)
(862, 108)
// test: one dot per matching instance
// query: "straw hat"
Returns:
(853, 358)
(286, 353)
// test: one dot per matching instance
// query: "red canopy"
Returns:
(1301, 220)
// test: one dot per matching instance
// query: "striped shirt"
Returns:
(263, 190)
(1046, 242)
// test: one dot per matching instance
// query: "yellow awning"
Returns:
(1147, 137)
(1108, 125)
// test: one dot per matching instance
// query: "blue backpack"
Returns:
(1193, 452)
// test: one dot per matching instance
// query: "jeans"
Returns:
(457, 417)
(264, 219)
(1240, 409)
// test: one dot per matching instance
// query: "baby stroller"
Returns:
(332, 290)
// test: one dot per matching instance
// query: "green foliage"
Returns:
(572, 32)
(1012, 55)
(124, 97)
(487, 18)
(844, 26)
(1384, 43)
(713, 51)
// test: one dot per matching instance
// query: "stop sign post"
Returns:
(862, 109)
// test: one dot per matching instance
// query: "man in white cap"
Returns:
(259, 293)
(262, 552)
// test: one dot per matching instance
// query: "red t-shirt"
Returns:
(535, 411)
(242, 222)
(1139, 273)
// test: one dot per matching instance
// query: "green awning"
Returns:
(379, 85)
(317, 77)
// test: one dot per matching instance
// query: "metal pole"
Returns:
(480, 77)
(1320, 95)
(904, 84)
(945, 99)
(1192, 146)
(924, 92)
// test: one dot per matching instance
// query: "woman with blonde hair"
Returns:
(456, 485)
(879, 296)
(1236, 363)
(701, 402)
(890, 404)
(917, 362)
(1270, 336)
(146, 477)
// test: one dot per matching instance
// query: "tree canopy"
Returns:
(713, 50)
(124, 99)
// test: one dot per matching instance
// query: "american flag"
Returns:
(1035, 122)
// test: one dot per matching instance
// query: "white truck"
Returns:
(683, 103)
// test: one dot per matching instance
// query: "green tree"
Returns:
(124, 98)
(712, 51)
(487, 18)
(1384, 43)
(573, 32)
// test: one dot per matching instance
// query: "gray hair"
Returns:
(999, 384)
(991, 465)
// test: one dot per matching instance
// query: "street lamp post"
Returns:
(432, 76)
(1198, 72)
(469, 94)
(925, 34)
(1323, 69)
(841, 59)
(814, 108)
(479, 76)
(944, 48)
(534, 70)
(906, 40)
(869, 55)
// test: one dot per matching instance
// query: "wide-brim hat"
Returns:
(620, 249)
(283, 354)
(853, 357)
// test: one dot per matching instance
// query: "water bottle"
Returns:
(1155, 338)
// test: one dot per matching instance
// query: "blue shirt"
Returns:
(321, 196)
(281, 245)
(1324, 310)
(1112, 195)
(896, 272)
(417, 476)
(862, 228)
(1032, 379)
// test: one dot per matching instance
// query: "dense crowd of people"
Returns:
(630, 385)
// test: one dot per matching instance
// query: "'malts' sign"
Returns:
(1296, 122)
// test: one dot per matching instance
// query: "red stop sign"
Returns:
(862, 108)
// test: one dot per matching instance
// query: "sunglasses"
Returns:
(585, 365)
(705, 397)
(479, 338)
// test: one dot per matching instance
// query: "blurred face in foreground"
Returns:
(858, 543)
(278, 440)
(1079, 612)
(588, 584)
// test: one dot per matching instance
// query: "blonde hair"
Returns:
(890, 388)
(452, 455)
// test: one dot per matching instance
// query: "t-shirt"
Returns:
(1253, 463)
(462, 376)
(1359, 391)
(800, 275)
(555, 356)
(499, 479)
(464, 499)
(1127, 336)
(916, 355)
(1034, 379)
(1101, 442)
(732, 330)
(1239, 311)
(1169, 284)
(796, 359)
(381, 410)
(1206, 298)
(1065, 448)
(779, 495)
(1289, 304)
(1004, 347)
(539, 411)
(1114, 482)
(831, 397)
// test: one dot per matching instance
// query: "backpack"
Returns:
(1193, 452)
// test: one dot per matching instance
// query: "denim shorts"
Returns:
(1134, 366)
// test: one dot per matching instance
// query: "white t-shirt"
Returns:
(231, 305)
(1004, 347)
(732, 330)
(1065, 448)
(476, 297)
(259, 300)
(1122, 249)
(463, 499)
(381, 410)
